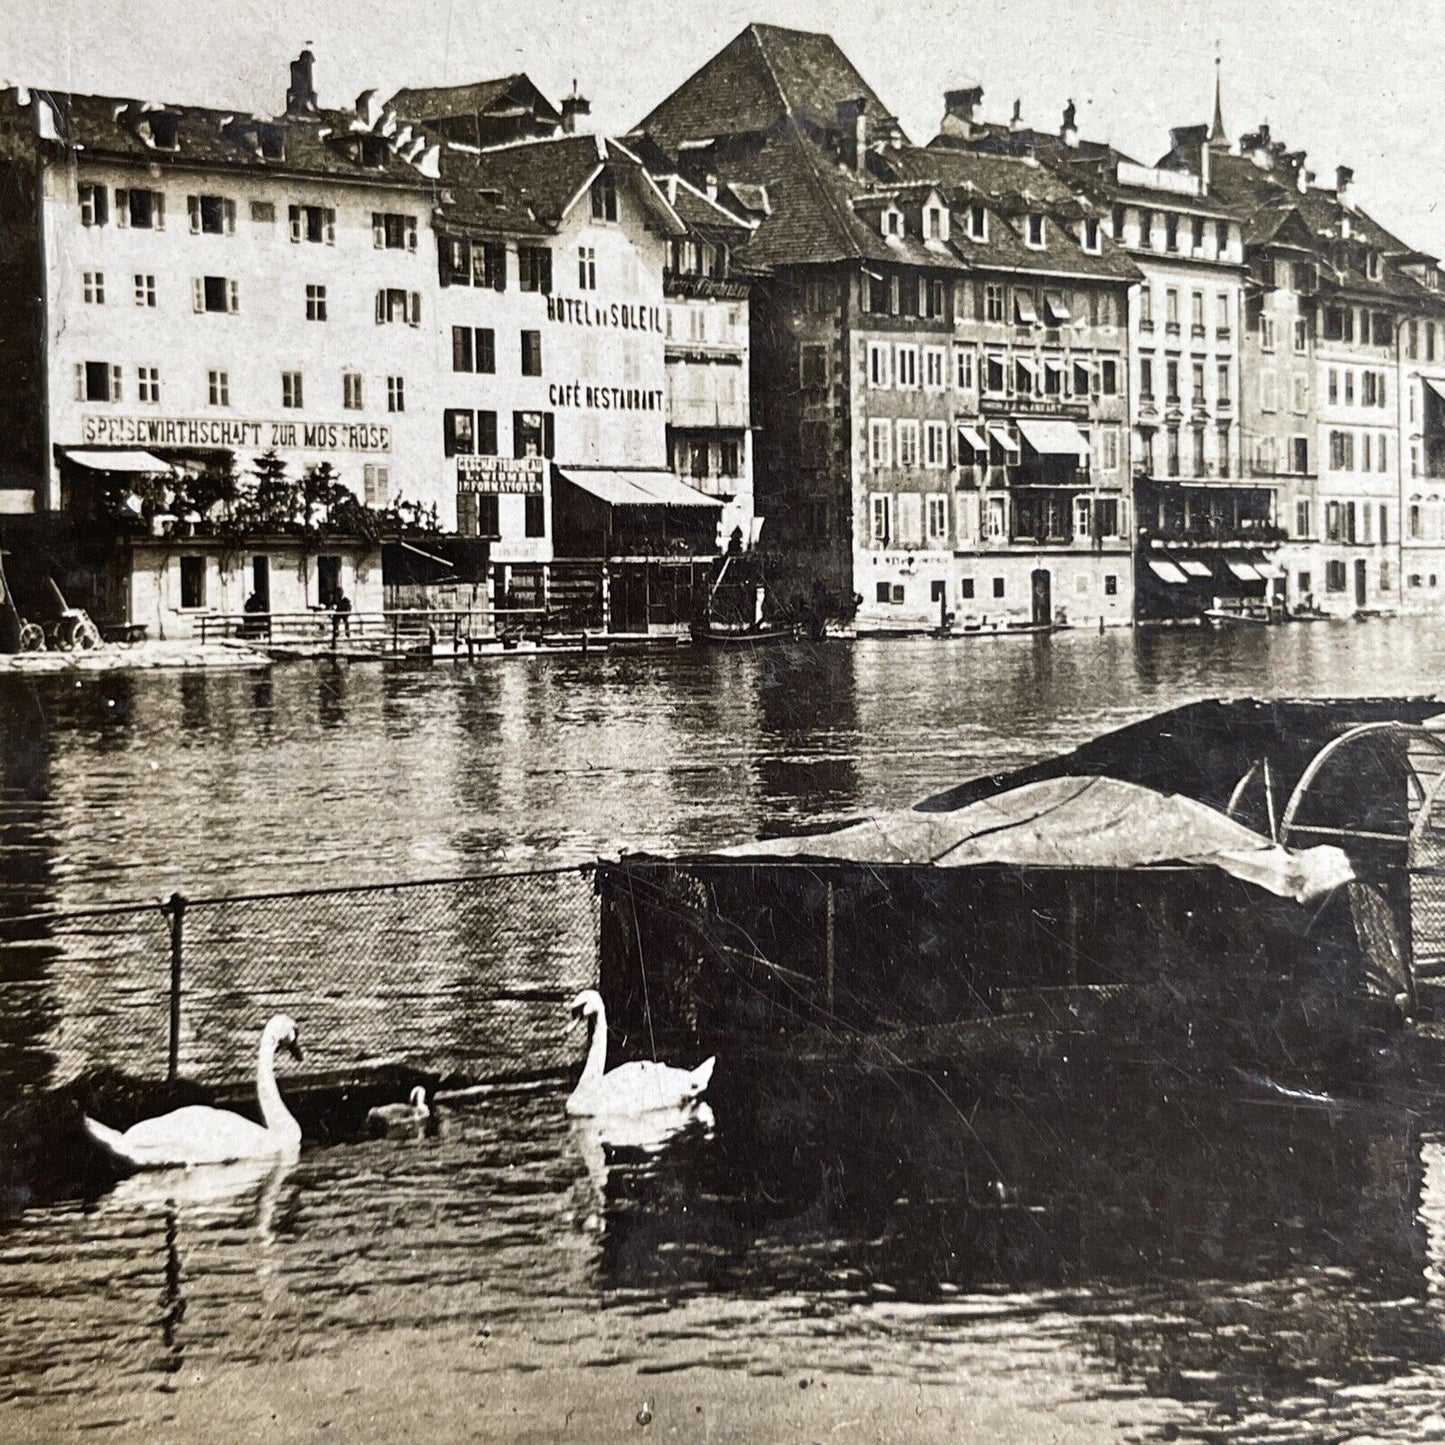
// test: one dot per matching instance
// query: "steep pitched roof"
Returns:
(762, 76)
(526, 189)
(434, 102)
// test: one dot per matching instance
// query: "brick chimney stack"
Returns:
(853, 123)
(1344, 186)
(959, 107)
(572, 107)
(301, 97)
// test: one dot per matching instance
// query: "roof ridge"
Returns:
(753, 28)
(845, 218)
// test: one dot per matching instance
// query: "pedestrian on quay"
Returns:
(340, 617)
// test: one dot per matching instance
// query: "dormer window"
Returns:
(1036, 231)
(604, 198)
(1372, 265)
(977, 223)
(892, 222)
(165, 130)
(1091, 234)
(935, 227)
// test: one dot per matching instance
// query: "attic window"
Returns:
(165, 128)
(1091, 234)
(977, 223)
(892, 223)
(1036, 230)
(1372, 265)
(373, 151)
(935, 227)
(272, 140)
(604, 198)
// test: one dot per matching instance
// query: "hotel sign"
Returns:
(619, 315)
(157, 431)
(493, 476)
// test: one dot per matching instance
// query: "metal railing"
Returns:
(463, 976)
(398, 630)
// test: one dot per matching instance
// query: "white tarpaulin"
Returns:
(1094, 822)
(139, 464)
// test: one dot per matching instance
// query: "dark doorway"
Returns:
(629, 599)
(261, 583)
(1043, 597)
(1360, 589)
(328, 580)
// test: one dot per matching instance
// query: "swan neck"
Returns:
(274, 1113)
(596, 1050)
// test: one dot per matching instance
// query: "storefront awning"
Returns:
(1166, 571)
(1001, 438)
(136, 464)
(1054, 438)
(1054, 305)
(637, 489)
(1194, 567)
(1245, 571)
(970, 436)
(1438, 387)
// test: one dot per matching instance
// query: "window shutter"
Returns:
(122, 206)
(293, 215)
(198, 293)
(461, 348)
(449, 433)
(80, 381)
(445, 257)
(193, 206)
(378, 230)
(158, 210)
(549, 435)
(232, 297)
(229, 208)
(415, 315)
(498, 256)
(114, 383)
(411, 233)
(380, 307)
(547, 270)
(518, 449)
(329, 217)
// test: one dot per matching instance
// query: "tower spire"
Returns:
(1218, 136)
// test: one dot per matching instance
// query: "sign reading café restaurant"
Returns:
(491, 476)
(155, 431)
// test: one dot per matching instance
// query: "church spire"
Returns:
(1218, 136)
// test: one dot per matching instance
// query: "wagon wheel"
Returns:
(32, 637)
(86, 635)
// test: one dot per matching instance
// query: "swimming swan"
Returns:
(631, 1088)
(400, 1120)
(202, 1135)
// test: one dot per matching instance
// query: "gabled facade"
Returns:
(900, 479)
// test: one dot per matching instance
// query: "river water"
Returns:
(1174, 1267)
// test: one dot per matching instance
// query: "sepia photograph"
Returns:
(722, 724)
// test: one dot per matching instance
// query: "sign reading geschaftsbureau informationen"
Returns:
(208, 431)
(497, 475)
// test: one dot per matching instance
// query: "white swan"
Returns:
(400, 1120)
(202, 1135)
(637, 1088)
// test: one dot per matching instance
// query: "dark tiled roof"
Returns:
(524, 189)
(113, 128)
(698, 213)
(762, 76)
(1010, 188)
(433, 102)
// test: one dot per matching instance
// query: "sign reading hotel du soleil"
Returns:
(624, 315)
(496, 475)
(155, 431)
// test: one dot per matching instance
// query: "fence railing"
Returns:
(465, 976)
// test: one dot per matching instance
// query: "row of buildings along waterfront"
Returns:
(1009, 376)
(453, 299)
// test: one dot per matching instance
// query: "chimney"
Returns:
(710, 185)
(958, 111)
(301, 97)
(1069, 131)
(368, 109)
(853, 117)
(1344, 186)
(1016, 120)
(1256, 146)
(1294, 163)
(572, 107)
